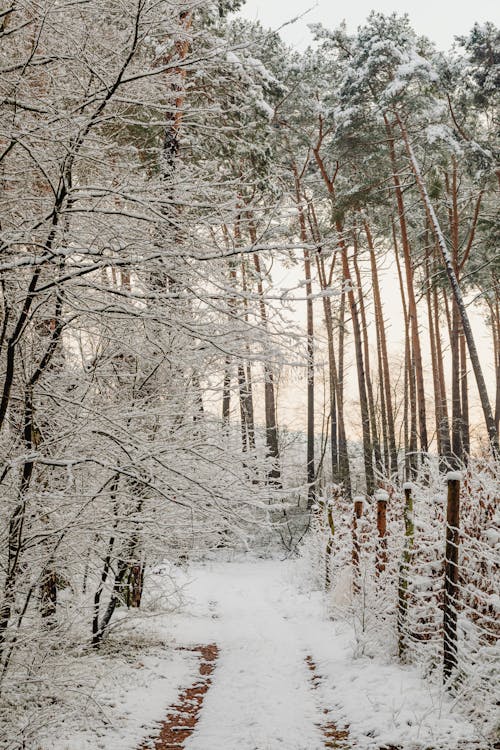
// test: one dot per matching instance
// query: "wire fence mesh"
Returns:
(388, 577)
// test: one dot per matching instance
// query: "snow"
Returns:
(261, 697)
(233, 59)
(131, 698)
(382, 496)
(492, 536)
(454, 476)
(494, 602)
(265, 108)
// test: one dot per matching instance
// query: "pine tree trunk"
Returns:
(175, 114)
(433, 349)
(410, 410)
(495, 330)
(412, 305)
(382, 344)
(444, 426)
(464, 391)
(363, 398)
(366, 353)
(310, 382)
(332, 366)
(457, 294)
(311, 472)
(340, 472)
(412, 391)
(456, 403)
(342, 440)
(365, 420)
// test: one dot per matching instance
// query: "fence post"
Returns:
(329, 544)
(381, 497)
(451, 574)
(404, 566)
(359, 502)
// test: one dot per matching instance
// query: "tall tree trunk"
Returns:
(375, 443)
(456, 403)
(338, 441)
(226, 391)
(410, 401)
(435, 370)
(453, 326)
(412, 305)
(365, 418)
(311, 493)
(243, 393)
(464, 391)
(175, 115)
(382, 344)
(249, 410)
(340, 466)
(363, 398)
(310, 381)
(198, 395)
(444, 427)
(17, 521)
(495, 329)
(272, 444)
(342, 439)
(457, 294)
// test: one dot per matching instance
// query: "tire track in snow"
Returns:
(335, 738)
(183, 715)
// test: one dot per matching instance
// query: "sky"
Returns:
(440, 20)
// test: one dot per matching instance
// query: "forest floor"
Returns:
(252, 662)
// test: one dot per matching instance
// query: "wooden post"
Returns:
(359, 502)
(381, 497)
(451, 574)
(404, 566)
(329, 544)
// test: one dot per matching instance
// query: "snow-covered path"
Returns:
(261, 696)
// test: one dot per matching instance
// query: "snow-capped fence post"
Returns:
(359, 502)
(381, 497)
(451, 574)
(404, 566)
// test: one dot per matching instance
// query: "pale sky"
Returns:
(440, 20)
